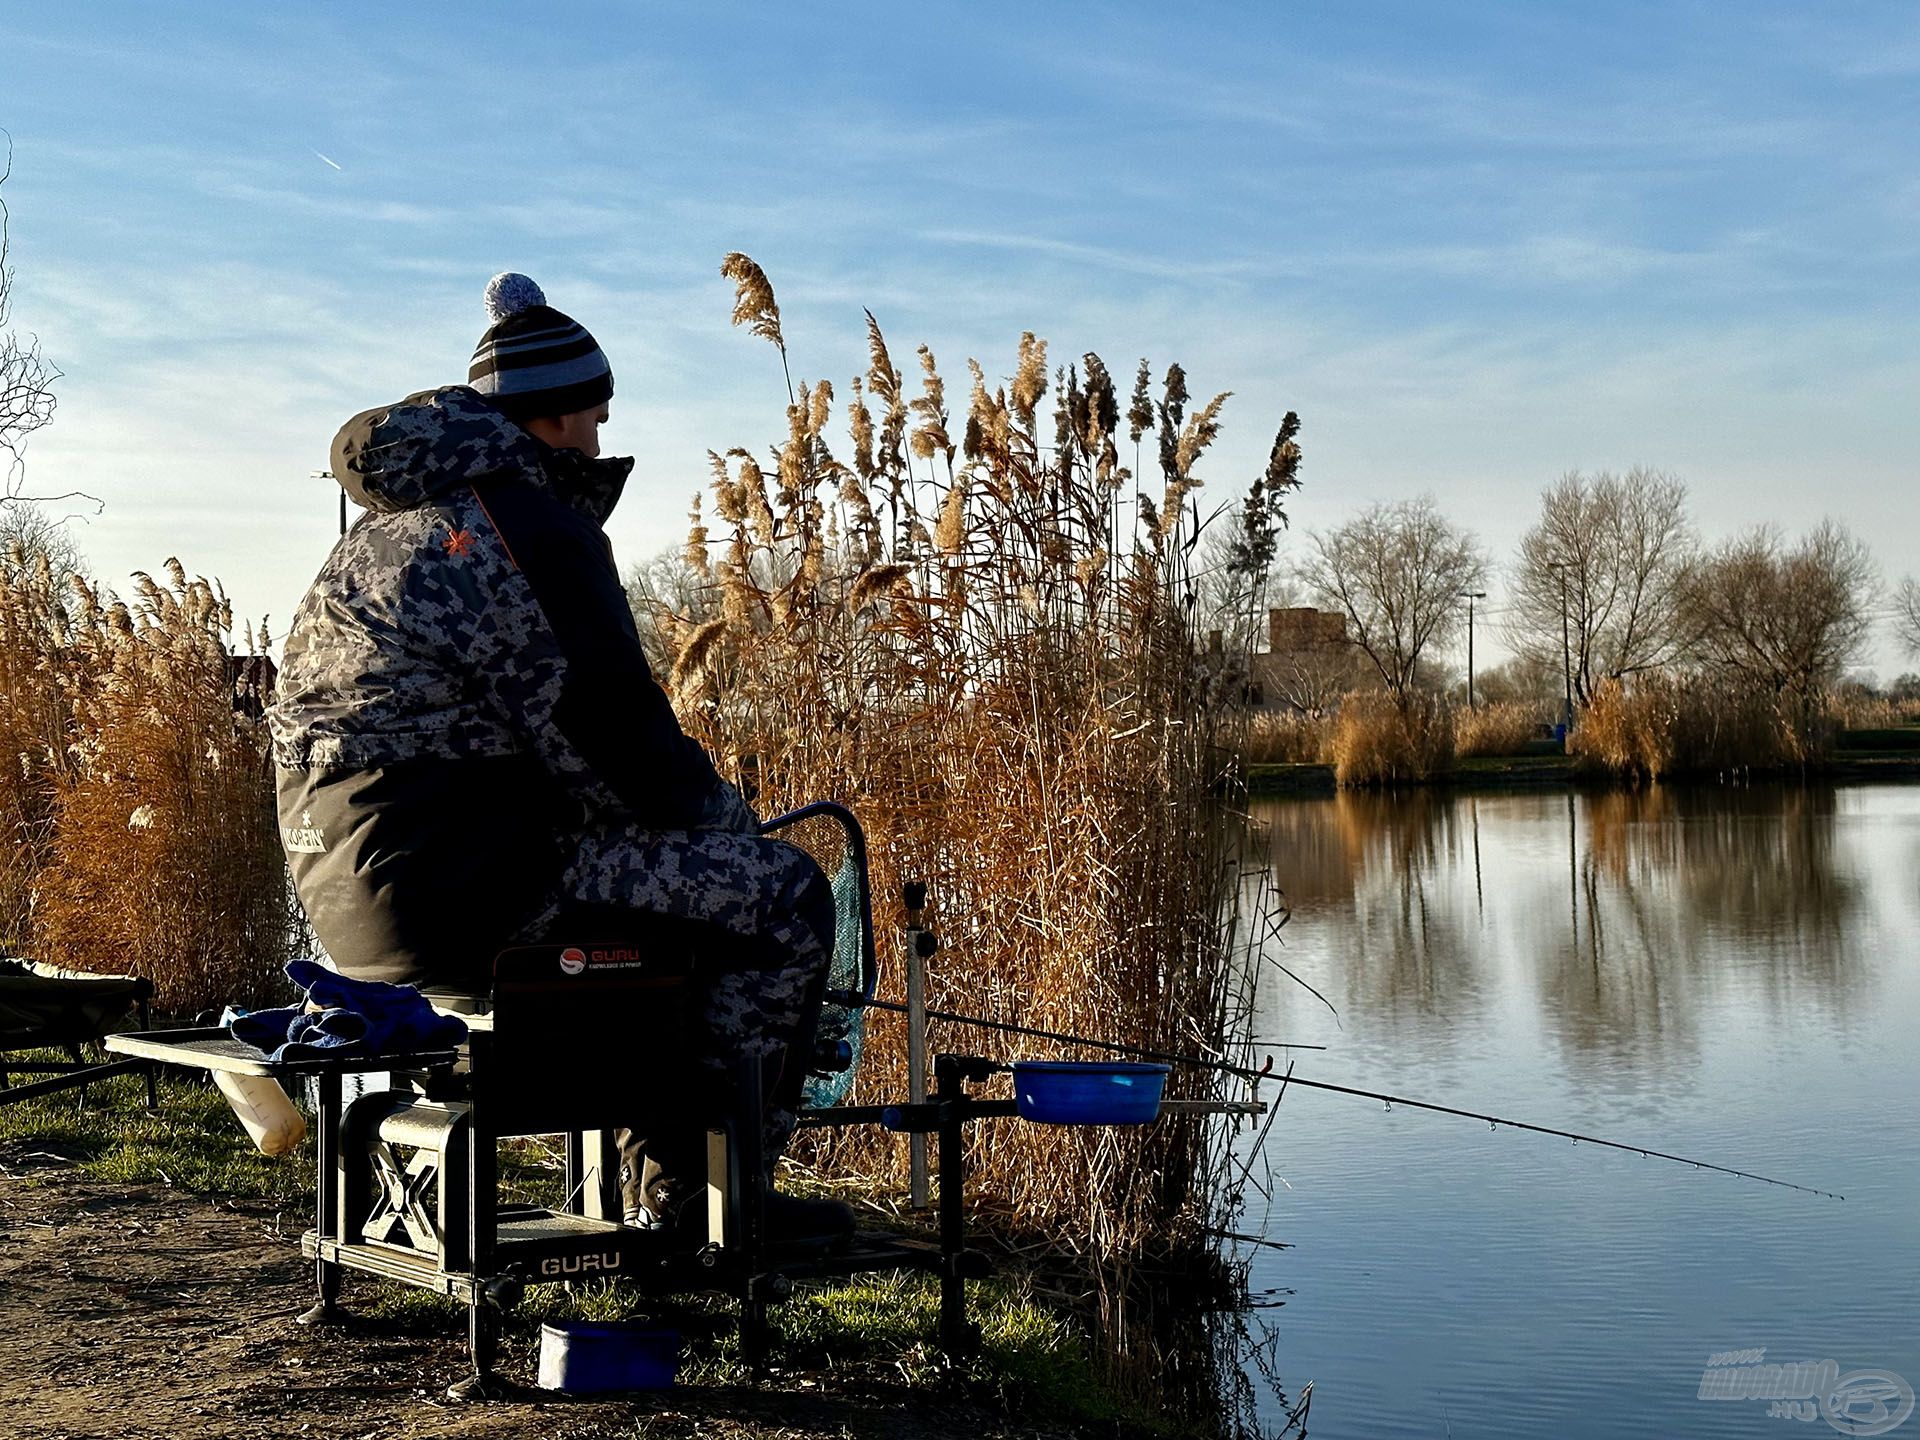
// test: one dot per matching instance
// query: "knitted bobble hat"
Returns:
(533, 360)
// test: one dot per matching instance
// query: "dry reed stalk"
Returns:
(1019, 722)
(1852, 710)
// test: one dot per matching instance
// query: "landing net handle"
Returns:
(828, 832)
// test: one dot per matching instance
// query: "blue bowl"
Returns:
(1092, 1092)
(585, 1357)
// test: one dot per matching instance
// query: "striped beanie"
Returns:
(533, 360)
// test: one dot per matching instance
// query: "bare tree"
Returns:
(29, 536)
(1602, 572)
(1906, 614)
(663, 591)
(1396, 573)
(1787, 621)
(1525, 679)
(26, 376)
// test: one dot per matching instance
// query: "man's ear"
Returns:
(544, 427)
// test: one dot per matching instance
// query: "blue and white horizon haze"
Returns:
(1475, 246)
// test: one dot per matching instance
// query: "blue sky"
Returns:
(1473, 245)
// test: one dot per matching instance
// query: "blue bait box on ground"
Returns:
(586, 1357)
(1091, 1092)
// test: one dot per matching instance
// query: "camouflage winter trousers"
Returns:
(751, 887)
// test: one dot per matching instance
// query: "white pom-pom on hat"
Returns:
(508, 293)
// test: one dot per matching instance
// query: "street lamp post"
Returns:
(1559, 568)
(1470, 596)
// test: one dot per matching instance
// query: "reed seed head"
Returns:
(753, 302)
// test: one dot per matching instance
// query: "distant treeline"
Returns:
(1661, 654)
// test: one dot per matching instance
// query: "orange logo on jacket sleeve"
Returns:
(459, 542)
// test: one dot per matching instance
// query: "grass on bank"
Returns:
(1033, 1360)
(1884, 740)
(191, 1143)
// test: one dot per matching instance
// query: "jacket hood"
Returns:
(398, 457)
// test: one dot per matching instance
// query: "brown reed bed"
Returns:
(956, 621)
(35, 634)
(139, 803)
(1504, 728)
(1664, 726)
(1854, 711)
(1371, 743)
(1379, 743)
(1281, 737)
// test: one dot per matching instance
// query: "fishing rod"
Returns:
(1495, 1120)
(915, 894)
(1110, 1046)
(1266, 1072)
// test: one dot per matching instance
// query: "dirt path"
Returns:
(145, 1313)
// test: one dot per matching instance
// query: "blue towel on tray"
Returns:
(356, 1017)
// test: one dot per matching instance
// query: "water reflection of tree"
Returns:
(1409, 947)
(1418, 948)
(1666, 903)
(1315, 860)
(1678, 896)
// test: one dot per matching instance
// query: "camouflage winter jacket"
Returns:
(463, 693)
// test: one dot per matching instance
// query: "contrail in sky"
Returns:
(330, 162)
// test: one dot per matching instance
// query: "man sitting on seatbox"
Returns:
(472, 750)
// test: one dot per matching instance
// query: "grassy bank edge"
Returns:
(1034, 1360)
(1541, 772)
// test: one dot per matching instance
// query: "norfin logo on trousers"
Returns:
(306, 838)
(572, 961)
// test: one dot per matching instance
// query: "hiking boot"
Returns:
(667, 1204)
(679, 1211)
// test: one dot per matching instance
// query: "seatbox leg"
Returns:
(755, 1334)
(483, 1204)
(326, 1285)
(574, 1176)
(483, 1339)
(151, 1069)
(73, 1054)
(327, 1226)
(593, 1175)
(747, 1177)
(719, 1185)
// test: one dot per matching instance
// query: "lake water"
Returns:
(1726, 973)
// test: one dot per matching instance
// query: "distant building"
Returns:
(1301, 627)
(1310, 661)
